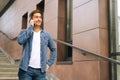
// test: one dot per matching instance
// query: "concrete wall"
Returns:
(90, 31)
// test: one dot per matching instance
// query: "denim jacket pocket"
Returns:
(44, 41)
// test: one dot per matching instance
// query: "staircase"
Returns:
(8, 71)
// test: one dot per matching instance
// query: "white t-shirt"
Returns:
(35, 53)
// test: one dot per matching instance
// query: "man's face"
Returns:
(37, 17)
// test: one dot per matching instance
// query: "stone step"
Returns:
(5, 74)
(8, 73)
(8, 65)
(4, 61)
(8, 69)
(8, 78)
(1, 55)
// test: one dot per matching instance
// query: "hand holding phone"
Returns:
(32, 22)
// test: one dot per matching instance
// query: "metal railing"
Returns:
(87, 52)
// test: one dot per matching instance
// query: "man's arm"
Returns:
(24, 35)
(52, 52)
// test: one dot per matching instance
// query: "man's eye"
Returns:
(37, 17)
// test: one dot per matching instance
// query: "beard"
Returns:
(37, 24)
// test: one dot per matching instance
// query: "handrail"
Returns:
(87, 52)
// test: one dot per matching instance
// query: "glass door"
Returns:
(114, 37)
(118, 46)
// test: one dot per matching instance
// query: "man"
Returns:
(33, 64)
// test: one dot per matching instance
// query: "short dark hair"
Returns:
(33, 12)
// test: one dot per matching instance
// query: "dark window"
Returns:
(40, 7)
(64, 53)
(24, 21)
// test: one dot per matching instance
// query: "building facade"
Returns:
(87, 24)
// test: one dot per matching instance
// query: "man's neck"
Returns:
(36, 28)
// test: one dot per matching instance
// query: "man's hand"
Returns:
(32, 22)
(47, 67)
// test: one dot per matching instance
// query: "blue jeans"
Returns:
(31, 74)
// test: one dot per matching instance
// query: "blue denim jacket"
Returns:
(25, 38)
